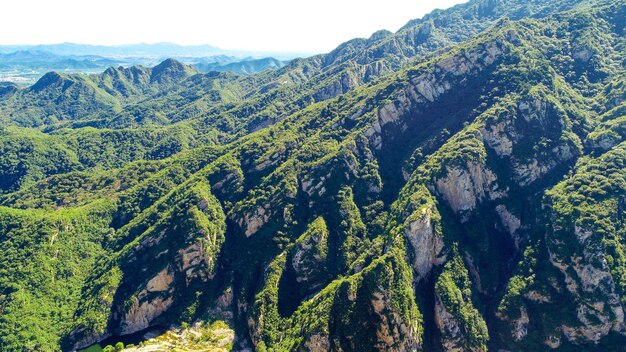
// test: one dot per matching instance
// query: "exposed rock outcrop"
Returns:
(140, 315)
(253, 221)
(309, 256)
(520, 329)
(449, 326)
(425, 243)
(426, 88)
(317, 343)
(510, 222)
(464, 188)
(460, 324)
(598, 306)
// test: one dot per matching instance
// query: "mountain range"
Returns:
(458, 185)
(25, 64)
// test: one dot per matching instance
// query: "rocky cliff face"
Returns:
(461, 325)
(143, 309)
(162, 266)
(370, 294)
(464, 188)
(310, 255)
(424, 239)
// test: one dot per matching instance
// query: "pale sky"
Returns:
(260, 25)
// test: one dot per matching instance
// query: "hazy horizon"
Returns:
(222, 51)
(241, 25)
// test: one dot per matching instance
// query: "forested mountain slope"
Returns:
(458, 185)
(227, 105)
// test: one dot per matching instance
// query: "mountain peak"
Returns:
(171, 70)
(47, 80)
(383, 33)
(170, 63)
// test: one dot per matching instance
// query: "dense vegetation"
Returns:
(457, 185)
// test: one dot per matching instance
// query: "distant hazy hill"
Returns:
(27, 63)
(142, 50)
(158, 50)
(42, 60)
(246, 66)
